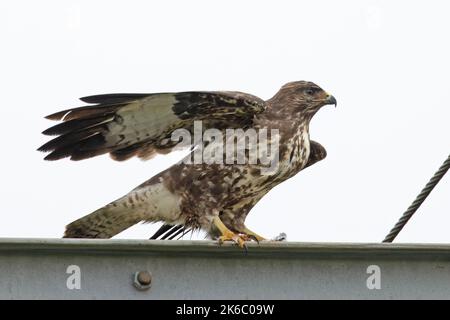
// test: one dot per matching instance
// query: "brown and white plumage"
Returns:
(213, 197)
(127, 125)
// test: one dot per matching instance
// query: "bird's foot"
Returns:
(238, 239)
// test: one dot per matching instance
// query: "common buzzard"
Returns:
(215, 197)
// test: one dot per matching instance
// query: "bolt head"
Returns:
(142, 280)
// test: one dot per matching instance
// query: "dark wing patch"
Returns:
(127, 152)
(317, 153)
(217, 105)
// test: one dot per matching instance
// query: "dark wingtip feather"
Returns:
(51, 158)
(168, 231)
(57, 116)
(81, 132)
(43, 148)
(163, 229)
(56, 155)
(113, 98)
(51, 145)
(75, 125)
(89, 146)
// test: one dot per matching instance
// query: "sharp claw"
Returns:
(252, 237)
(241, 243)
(244, 246)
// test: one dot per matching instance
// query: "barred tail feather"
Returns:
(103, 223)
(150, 202)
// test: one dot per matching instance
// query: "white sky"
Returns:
(386, 62)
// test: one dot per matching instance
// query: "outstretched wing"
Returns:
(127, 125)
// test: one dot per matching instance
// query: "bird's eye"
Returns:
(309, 92)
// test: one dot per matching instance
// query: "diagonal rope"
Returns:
(418, 202)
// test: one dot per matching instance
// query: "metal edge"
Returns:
(211, 248)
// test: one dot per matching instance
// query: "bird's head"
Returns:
(303, 97)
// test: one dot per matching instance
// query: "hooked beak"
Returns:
(331, 100)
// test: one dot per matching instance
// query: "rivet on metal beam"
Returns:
(142, 280)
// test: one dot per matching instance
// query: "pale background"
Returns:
(386, 62)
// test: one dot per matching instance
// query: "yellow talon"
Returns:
(236, 238)
(228, 235)
(252, 235)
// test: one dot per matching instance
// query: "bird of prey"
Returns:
(213, 197)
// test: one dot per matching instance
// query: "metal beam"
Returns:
(49, 269)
